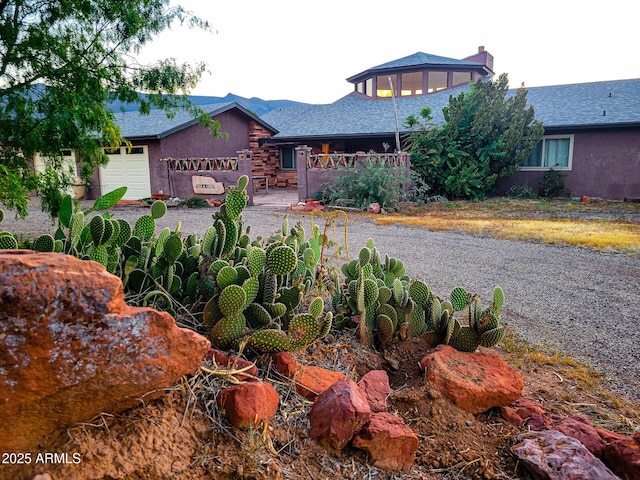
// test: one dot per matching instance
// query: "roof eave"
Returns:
(431, 66)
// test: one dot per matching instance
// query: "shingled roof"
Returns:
(155, 125)
(605, 104)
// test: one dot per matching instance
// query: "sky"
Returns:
(304, 50)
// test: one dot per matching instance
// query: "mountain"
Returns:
(253, 104)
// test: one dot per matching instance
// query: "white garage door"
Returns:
(128, 167)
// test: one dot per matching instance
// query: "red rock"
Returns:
(374, 208)
(539, 422)
(519, 412)
(390, 443)
(552, 455)
(580, 428)
(338, 414)
(375, 385)
(70, 347)
(285, 363)
(608, 436)
(249, 403)
(310, 381)
(233, 363)
(475, 382)
(623, 456)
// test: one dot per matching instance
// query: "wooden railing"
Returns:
(201, 164)
(327, 161)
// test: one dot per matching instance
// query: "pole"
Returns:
(395, 115)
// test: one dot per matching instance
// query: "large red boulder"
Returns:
(310, 381)
(338, 414)
(623, 456)
(475, 382)
(70, 347)
(249, 403)
(390, 443)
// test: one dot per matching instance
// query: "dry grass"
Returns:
(614, 413)
(601, 226)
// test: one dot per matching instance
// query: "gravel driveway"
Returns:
(584, 303)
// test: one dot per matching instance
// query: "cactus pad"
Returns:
(257, 315)
(158, 209)
(385, 329)
(8, 242)
(270, 340)
(226, 276)
(44, 243)
(232, 300)
(145, 227)
(492, 337)
(466, 341)
(419, 292)
(459, 298)
(257, 261)
(498, 298)
(316, 307)
(303, 331)
(172, 248)
(243, 182)
(97, 229)
(281, 260)
(229, 329)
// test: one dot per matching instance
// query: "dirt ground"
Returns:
(183, 436)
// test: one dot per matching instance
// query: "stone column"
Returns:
(302, 153)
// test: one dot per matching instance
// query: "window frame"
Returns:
(542, 168)
(294, 160)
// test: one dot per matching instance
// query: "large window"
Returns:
(287, 159)
(411, 84)
(460, 78)
(383, 87)
(368, 87)
(437, 81)
(551, 152)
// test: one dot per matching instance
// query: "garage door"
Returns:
(128, 167)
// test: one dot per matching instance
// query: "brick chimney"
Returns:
(482, 57)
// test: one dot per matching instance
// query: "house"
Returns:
(178, 156)
(592, 130)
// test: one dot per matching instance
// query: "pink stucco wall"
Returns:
(605, 164)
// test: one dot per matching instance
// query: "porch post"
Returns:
(302, 154)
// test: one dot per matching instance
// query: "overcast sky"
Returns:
(303, 50)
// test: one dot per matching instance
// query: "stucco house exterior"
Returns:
(592, 130)
(592, 135)
(165, 154)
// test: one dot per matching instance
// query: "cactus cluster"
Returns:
(255, 288)
(389, 305)
(463, 323)
(376, 292)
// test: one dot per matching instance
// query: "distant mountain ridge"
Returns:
(253, 104)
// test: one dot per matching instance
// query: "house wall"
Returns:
(196, 141)
(605, 164)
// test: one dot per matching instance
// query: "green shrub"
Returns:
(521, 191)
(373, 182)
(195, 202)
(552, 184)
